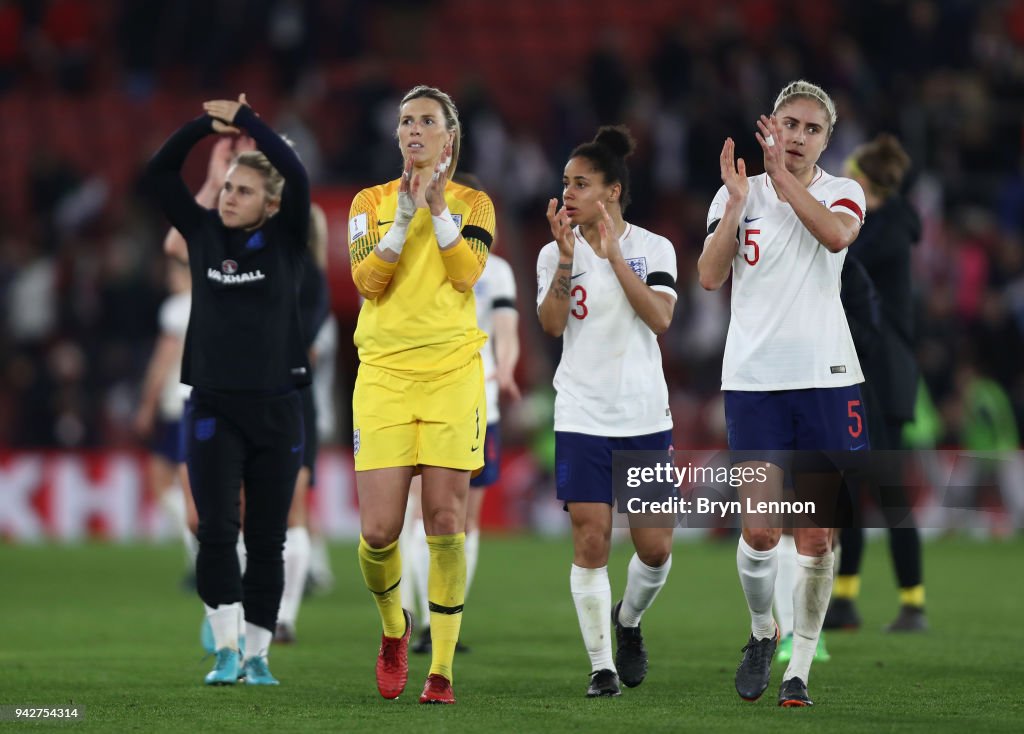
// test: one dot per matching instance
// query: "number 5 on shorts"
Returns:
(855, 416)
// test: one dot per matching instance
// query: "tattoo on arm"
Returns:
(562, 287)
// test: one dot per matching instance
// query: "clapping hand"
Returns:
(734, 173)
(223, 112)
(561, 229)
(434, 193)
(770, 138)
(406, 209)
(609, 243)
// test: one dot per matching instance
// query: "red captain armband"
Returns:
(851, 206)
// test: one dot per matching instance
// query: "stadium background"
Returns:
(88, 89)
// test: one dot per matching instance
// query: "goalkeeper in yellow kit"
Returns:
(417, 245)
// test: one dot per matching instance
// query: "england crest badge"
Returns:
(639, 265)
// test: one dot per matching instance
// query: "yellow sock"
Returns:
(446, 590)
(846, 587)
(382, 572)
(912, 596)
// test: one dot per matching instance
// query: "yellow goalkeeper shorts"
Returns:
(402, 422)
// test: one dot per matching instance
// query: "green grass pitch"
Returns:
(105, 627)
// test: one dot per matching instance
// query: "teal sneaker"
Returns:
(785, 652)
(257, 673)
(225, 671)
(821, 654)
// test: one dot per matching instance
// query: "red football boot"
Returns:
(437, 689)
(393, 662)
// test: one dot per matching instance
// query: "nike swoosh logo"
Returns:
(748, 220)
(858, 447)
(381, 224)
(475, 447)
(574, 277)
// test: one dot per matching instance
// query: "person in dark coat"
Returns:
(886, 352)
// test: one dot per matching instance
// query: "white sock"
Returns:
(320, 562)
(240, 550)
(472, 552)
(296, 564)
(643, 583)
(592, 595)
(785, 583)
(813, 588)
(224, 623)
(172, 504)
(257, 641)
(757, 577)
(419, 561)
(191, 548)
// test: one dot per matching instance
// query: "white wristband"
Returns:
(445, 229)
(394, 240)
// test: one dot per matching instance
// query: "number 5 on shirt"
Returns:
(751, 257)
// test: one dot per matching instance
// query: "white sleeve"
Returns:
(717, 208)
(504, 293)
(661, 266)
(849, 199)
(547, 263)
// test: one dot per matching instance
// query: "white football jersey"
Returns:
(788, 329)
(609, 381)
(495, 289)
(174, 322)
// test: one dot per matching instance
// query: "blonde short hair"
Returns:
(802, 89)
(258, 162)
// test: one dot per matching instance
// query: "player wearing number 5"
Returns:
(608, 287)
(790, 372)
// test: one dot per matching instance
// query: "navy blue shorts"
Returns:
(816, 419)
(492, 459)
(168, 441)
(583, 463)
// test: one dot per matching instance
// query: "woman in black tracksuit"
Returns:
(245, 358)
(883, 251)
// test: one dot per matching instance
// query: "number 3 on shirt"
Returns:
(579, 307)
(755, 255)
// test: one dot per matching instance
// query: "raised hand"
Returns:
(561, 229)
(734, 173)
(434, 193)
(223, 112)
(769, 135)
(243, 144)
(220, 161)
(406, 197)
(609, 247)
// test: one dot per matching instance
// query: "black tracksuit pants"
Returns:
(247, 441)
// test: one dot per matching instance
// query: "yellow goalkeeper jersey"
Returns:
(420, 326)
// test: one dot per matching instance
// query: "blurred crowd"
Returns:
(82, 272)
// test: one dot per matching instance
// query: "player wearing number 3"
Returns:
(790, 372)
(609, 287)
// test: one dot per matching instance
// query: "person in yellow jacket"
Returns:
(417, 245)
